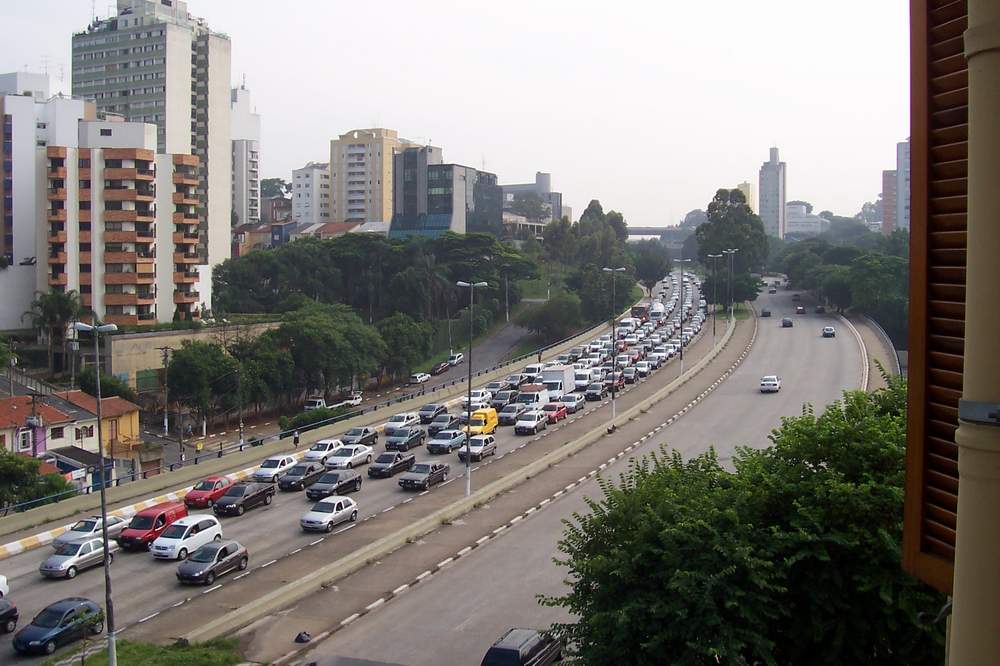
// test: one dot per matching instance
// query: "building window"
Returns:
(105, 132)
(56, 433)
(84, 432)
(24, 440)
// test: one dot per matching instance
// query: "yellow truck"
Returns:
(482, 422)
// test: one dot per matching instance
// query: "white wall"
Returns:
(220, 179)
(178, 89)
(164, 238)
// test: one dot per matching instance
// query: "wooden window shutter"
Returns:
(938, 185)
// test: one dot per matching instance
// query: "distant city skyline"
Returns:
(650, 118)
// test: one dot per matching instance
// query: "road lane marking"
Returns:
(375, 604)
(264, 566)
(148, 617)
(350, 618)
(242, 575)
(401, 588)
(212, 589)
(444, 562)
(388, 508)
(319, 540)
(463, 552)
(424, 575)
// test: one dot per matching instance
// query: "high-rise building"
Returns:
(772, 195)
(410, 180)
(246, 158)
(154, 62)
(801, 221)
(541, 187)
(903, 185)
(747, 189)
(888, 201)
(311, 198)
(361, 164)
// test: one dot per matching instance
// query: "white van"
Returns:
(185, 536)
(533, 369)
(581, 380)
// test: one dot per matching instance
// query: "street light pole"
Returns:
(166, 395)
(96, 330)
(468, 397)
(731, 252)
(614, 343)
(683, 313)
(239, 391)
(715, 291)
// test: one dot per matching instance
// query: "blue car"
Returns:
(59, 624)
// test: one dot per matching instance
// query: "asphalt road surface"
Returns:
(454, 616)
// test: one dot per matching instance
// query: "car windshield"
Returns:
(569, 398)
(175, 531)
(319, 446)
(357, 432)
(429, 408)
(420, 469)
(84, 526)
(70, 548)
(298, 470)
(329, 478)
(48, 618)
(512, 409)
(385, 458)
(397, 418)
(323, 507)
(594, 387)
(141, 522)
(550, 407)
(478, 422)
(343, 453)
(269, 464)
(236, 491)
(205, 554)
(477, 442)
(204, 485)
(444, 418)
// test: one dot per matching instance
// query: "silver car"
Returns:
(71, 557)
(90, 527)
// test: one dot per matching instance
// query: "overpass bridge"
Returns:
(646, 231)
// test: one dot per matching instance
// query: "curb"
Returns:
(865, 369)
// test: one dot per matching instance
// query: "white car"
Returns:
(480, 398)
(530, 423)
(420, 378)
(456, 358)
(90, 527)
(273, 467)
(401, 421)
(322, 449)
(480, 446)
(350, 456)
(186, 535)
(4, 588)
(770, 384)
(328, 513)
(574, 401)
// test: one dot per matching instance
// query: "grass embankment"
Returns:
(219, 652)
(462, 341)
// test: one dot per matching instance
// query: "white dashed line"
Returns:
(212, 589)
(424, 575)
(400, 589)
(444, 562)
(375, 604)
(264, 566)
(463, 552)
(242, 575)
(148, 617)
(350, 618)
(319, 540)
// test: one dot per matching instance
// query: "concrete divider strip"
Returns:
(865, 369)
(327, 575)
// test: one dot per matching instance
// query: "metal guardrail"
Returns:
(898, 369)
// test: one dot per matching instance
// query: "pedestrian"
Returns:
(296, 439)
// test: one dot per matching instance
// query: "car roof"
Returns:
(193, 518)
(333, 498)
(70, 602)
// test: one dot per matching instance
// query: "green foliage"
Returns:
(302, 421)
(731, 224)
(531, 206)
(794, 558)
(6, 352)
(744, 287)
(20, 480)
(274, 187)
(652, 262)
(217, 652)
(203, 377)
(52, 313)
(110, 385)
(555, 319)
(407, 342)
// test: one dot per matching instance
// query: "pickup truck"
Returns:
(319, 402)
(390, 464)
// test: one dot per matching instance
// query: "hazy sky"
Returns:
(648, 106)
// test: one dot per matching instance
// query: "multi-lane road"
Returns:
(452, 617)
(145, 587)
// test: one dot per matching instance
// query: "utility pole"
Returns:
(731, 252)
(166, 397)
(239, 391)
(683, 313)
(715, 290)
(614, 344)
(468, 405)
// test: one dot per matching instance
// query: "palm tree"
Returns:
(52, 313)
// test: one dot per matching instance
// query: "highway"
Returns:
(469, 610)
(144, 587)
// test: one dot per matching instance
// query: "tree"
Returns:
(835, 286)
(274, 187)
(531, 206)
(110, 385)
(652, 262)
(793, 558)
(809, 206)
(203, 377)
(407, 342)
(6, 352)
(731, 224)
(555, 319)
(20, 480)
(51, 314)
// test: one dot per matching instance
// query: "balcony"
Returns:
(182, 178)
(186, 218)
(57, 194)
(57, 215)
(183, 199)
(186, 160)
(57, 258)
(128, 194)
(122, 319)
(84, 194)
(133, 174)
(119, 236)
(145, 235)
(181, 296)
(84, 216)
(121, 278)
(86, 300)
(57, 237)
(60, 280)
(121, 215)
(57, 152)
(121, 258)
(121, 299)
(57, 172)
(185, 238)
(86, 278)
(186, 258)
(83, 173)
(188, 315)
(188, 277)
(129, 154)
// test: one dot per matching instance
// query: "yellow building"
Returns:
(747, 191)
(120, 432)
(361, 174)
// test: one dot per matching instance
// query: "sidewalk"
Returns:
(879, 349)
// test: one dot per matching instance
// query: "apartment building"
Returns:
(903, 185)
(153, 62)
(747, 189)
(888, 201)
(772, 195)
(311, 194)
(541, 187)
(800, 221)
(246, 158)
(361, 168)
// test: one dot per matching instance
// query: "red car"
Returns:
(555, 411)
(207, 491)
(440, 368)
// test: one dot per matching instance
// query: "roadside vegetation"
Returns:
(219, 652)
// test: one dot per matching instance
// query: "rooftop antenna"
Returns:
(244, 86)
(93, 10)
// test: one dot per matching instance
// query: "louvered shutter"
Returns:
(938, 185)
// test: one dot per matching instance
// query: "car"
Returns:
(820, 309)
(523, 647)
(321, 450)
(555, 412)
(147, 524)
(829, 332)
(244, 495)
(574, 402)
(424, 475)
(187, 535)
(404, 439)
(631, 375)
(456, 359)
(213, 560)
(4, 588)
(272, 468)
(772, 290)
(595, 391)
(401, 421)
(419, 378)
(511, 413)
(800, 310)
(495, 387)
(428, 413)
(328, 513)
(446, 441)
(482, 421)
(391, 463)
(315, 402)
(480, 446)
(349, 456)
(353, 400)
(770, 384)
(207, 492)
(517, 379)
(89, 527)
(59, 624)
(643, 368)
(304, 474)
(765, 313)
(443, 422)
(480, 398)
(74, 556)
(334, 483)
(8, 616)
(440, 368)
(796, 297)
(503, 398)
(360, 435)
(786, 322)
(530, 423)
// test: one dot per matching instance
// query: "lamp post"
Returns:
(715, 290)
(683, 313)
(97, 330)
(468, 404)
(614, 343)
(731, 252)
